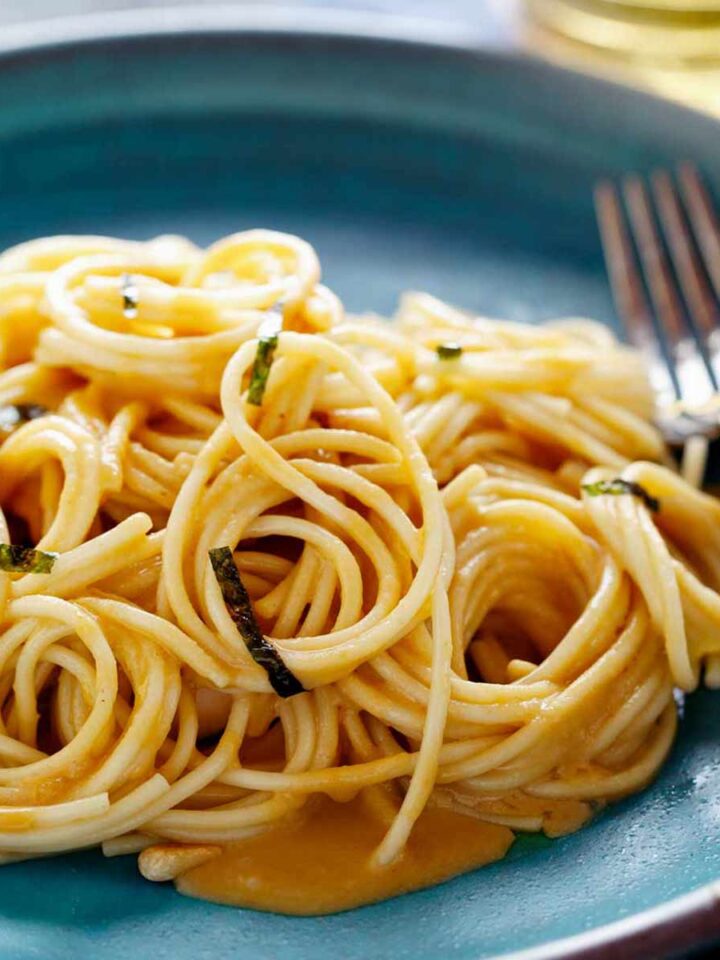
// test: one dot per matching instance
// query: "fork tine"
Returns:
(695, 289)
(693, 379)
(627, 288)
(703, 219)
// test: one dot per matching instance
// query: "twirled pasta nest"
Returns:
(442, 527)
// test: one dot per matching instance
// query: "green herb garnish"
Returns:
(448, 351)
(261, 368)
(130, 297)
(236, 598)
(619, 486)
(17, 559)
(14, 415)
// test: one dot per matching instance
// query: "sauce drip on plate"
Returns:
(320, 862)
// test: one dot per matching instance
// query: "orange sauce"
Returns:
(320, 862)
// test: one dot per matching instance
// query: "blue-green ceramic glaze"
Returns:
(408, 165)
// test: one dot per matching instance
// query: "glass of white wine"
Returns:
(670, 46)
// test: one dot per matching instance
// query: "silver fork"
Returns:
(667, 295)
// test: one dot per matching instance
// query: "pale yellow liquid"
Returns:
(671, 47)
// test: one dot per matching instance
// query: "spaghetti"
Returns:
(437, 564)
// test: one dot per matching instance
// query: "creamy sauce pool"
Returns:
(320, 862)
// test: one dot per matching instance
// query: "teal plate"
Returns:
(409, 160)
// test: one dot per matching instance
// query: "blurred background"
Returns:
(669, 46)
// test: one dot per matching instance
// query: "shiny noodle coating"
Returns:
(408, 509)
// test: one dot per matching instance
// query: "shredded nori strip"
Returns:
(236, 598)
(17, 559)
(448, 351)
(13, 415)
(619, 486)
(261, 368)
(130, 297)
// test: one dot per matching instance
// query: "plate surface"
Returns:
(409, 164)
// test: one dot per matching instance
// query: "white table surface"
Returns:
(495, 16)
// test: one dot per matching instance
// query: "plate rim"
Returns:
(683, 922)
(255, 19)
